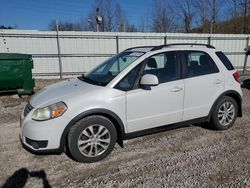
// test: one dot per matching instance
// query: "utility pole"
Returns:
(244, 17)
(59, 50)
(213, 16)
(98, 20)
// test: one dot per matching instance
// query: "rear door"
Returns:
(161, 104)
(203, 83)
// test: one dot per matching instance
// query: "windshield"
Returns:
(104, 73)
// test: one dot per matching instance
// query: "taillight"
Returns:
(236, 76)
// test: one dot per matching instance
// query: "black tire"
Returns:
(85, 124)
(215, 122)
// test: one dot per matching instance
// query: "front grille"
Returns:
(27, 109)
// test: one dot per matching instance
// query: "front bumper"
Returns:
(40, 152)
(42, 136)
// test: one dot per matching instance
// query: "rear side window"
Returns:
(198, 63)
(225, 60)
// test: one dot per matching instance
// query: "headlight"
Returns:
(49, 112)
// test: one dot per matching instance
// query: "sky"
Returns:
(37, 14)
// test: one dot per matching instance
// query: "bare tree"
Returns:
(142, 26)
(241, 12)
(6, 27)
(160, 19)
(244, 15)
(215, 8)
(248, 7)
(209, 12)
(184, 9)
(113, 19)
(113, 16)
(65, 26)
(201, 8)
(234, 7)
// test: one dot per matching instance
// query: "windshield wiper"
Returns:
(89, 80)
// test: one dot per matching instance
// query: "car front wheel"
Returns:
(91, 139)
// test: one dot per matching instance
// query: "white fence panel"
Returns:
(81, 51)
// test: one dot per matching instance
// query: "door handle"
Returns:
(176, 89)
(218, 81)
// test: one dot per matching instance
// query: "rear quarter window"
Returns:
(198, 63)
(225, 60)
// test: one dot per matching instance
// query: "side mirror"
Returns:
(149, 80)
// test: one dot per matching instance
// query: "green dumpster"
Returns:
(16, 73)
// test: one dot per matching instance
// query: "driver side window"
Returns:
(164, 66)
(128, 81)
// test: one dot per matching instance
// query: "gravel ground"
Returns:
(186, 157)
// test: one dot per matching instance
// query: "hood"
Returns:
(60, 92)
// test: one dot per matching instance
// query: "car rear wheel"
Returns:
(91, 139)
(224, 114)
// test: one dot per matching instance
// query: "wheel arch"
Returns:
(231, 93)
(114, 118)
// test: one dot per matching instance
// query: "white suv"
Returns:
(139, 91)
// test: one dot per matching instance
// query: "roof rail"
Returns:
(140, 47)
(181, 44)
